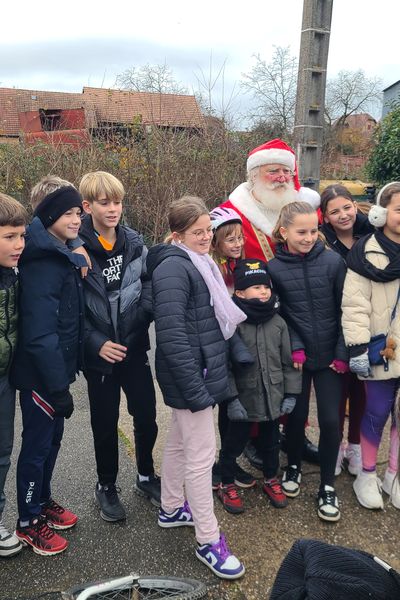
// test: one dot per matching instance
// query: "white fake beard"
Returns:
(275, 195)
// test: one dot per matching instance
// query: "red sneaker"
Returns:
(273, 489)
(42, 539)
(230, 498)
(58, 517)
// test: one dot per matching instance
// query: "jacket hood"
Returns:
(158, 253)
(361, 227)
(283, 254)
(40, 243)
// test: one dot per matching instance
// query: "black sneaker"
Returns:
(252, 456)
(291, 481)
(328, 505)
(110, 506)
(243, 479)
(151, 489)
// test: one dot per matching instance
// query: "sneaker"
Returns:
(353, 458)
(43, 540)
(9, 543)
(216, 477)
(58, 517)
(243, 479)
(273, 489)
(339, 460)
(391, 487)
(367, 488)
(151, 489)
(310, 452)
(328, 505)
(110, 506)
(291, 481)
(230, 499)
(252, 456)
(181, 517)
(219, 559)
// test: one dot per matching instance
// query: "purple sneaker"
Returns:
(219, 559)
(181, 517)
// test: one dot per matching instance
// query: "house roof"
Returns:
(15, 101)
(359, 120)
(120, 106)
(112, 106)
(391, 85)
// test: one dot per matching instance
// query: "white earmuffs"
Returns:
(377, 214)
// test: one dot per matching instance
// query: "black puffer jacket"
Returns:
(191, 360)
(361, 228)
(310, 289)
(133, 321)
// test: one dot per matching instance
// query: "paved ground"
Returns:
(260, 537)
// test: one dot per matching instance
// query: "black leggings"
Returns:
(328, 390)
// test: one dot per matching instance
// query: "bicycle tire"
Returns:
(147, 588)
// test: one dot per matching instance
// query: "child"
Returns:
(266, 390)
(193, 315)
(227, 248)
(309, 281)
(48, 356)
(343, 226)
(13, 219)
(116, 341)
(370, 308)
(227, 244)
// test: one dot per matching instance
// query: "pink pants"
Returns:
(188, 458)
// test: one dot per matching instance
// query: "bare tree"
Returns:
(273, 87)
(158, 79)
(351, 92)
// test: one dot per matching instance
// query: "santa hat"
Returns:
(274, 152)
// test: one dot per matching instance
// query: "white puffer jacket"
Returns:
(367, 307)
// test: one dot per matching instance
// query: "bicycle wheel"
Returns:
(134, 587)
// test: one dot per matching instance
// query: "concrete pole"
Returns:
(311, 84)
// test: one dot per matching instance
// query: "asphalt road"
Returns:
(260, 537)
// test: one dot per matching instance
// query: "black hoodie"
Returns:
(361, 228)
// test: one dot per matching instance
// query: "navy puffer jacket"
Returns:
(191, 359)
(310, 288)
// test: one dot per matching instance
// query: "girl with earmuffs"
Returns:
(371, 308)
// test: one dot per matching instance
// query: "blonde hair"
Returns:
(47, 185)
(12, 213)
(220, 236)
(183, 213)
(287, 216)
(96, 183)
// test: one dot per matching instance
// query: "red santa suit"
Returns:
(258, 222)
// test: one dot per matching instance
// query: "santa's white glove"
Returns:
(360, 365)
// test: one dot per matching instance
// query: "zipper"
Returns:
(7, 329)
(311, 303)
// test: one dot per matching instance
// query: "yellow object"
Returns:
(355, 187)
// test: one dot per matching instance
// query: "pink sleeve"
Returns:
(299, 356)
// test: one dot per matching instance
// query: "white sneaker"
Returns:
(339, 460)
(353, 456)
(9, 543)
(328, 505)
(391, 486)
(367, 488)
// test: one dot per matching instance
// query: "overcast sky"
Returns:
(65, 46)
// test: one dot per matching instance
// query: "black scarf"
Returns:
(357, 259)
(258, 312)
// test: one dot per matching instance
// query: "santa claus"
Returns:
(272, 182)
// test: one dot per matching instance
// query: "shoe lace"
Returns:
(53, 506)
(292, 474)
(42, 529)
(112, 491)
(329, 497)
(231, 492)
(275, 486)
(3, 531)
(222, 548)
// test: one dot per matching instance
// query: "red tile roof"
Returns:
(113, 106)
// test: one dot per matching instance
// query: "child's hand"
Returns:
(298, 358)
(112, 352)
(288, 404)
(360, 365)
(84, 270)
(236, 411)
(340, 366)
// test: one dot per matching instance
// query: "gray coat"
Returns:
(262, 386)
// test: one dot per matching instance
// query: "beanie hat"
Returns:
(250, 271)
(54, 205)
(222, 216)
(274, 152)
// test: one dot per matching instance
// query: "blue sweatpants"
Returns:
(41, 440)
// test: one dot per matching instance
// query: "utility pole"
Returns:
(311, 84)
